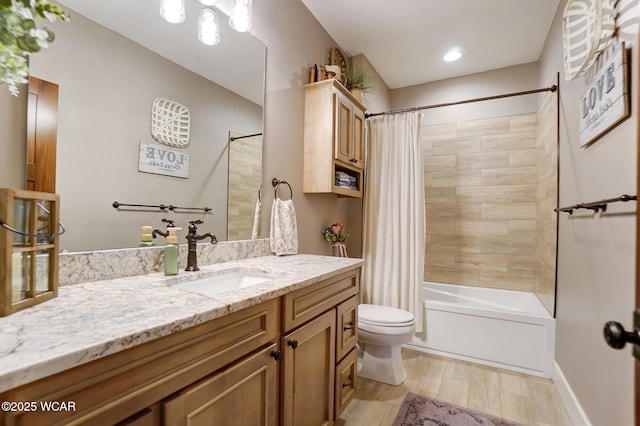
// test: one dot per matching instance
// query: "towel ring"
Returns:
(276, 183)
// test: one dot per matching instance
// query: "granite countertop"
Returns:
(91, 320)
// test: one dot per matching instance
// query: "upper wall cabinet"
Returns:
(333, 140)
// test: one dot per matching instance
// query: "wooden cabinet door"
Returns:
(343, 128)
(42, 128)
(308, 356)
(244, 394)
(357, 146)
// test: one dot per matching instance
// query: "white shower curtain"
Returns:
(394, 215)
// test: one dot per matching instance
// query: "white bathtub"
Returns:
(501, 328)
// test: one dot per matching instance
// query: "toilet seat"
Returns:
(384, 316)
(384, 319)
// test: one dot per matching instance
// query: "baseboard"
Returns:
(571, 403)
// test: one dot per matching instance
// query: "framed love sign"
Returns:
(605, 103)
(162, 160)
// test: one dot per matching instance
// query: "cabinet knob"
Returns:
(349, 326)
(293, 343)
(276, 355)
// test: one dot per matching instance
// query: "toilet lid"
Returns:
(384, 315)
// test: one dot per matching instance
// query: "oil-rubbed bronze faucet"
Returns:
(192, 239)
(165, 234)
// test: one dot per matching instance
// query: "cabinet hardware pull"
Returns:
(276, 355)
(293, 343)
(349, 326)
(346, 385)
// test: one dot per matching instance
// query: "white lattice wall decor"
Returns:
(587, 25)
(170, 123)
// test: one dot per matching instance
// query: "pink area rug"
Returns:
(417, 410)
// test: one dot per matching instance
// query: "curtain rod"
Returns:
(488, 98)
(233, 138)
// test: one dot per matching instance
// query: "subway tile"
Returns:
(439, 162)
(482, 227)
(483, 160)
(489, 126)
(502, 211)
(449, 211)
(439, 131)
(523, 158)
(508, 142)
(446, 194)
(456, 146)
(524, 123)
(514, 176)
(457, 178)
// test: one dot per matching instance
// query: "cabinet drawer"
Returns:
(347, 331)
(346, 375)
(309, 302)
(111, 389)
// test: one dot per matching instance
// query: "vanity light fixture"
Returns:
(240, 15)
(172, 10)
(453, 55)
(208, 27)
(208, 24)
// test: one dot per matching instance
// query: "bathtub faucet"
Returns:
(192, 240)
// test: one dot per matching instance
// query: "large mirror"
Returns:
(110, 62)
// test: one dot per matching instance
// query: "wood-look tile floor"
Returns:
(514, 396)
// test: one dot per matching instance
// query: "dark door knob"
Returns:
(293, 343)
(616, 336)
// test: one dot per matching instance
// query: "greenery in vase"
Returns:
(20, 36)
(335, 233)
(358, 79)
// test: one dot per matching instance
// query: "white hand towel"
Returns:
(284, 228)
(257, 223)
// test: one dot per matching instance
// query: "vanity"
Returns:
(146, 351)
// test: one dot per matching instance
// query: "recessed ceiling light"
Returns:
(453, 54)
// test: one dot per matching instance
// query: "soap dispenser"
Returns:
(171, 252)
(146, 239)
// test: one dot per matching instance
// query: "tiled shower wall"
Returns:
(547, 200)
(245, 176)
(481, 192)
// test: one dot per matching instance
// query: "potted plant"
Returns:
(20, 36)
(336, 235)
(358, 82)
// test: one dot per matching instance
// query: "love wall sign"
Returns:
(161, 160)
(605, 102)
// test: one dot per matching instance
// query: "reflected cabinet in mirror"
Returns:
(108, 76)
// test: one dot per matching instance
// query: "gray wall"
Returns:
(295, 41)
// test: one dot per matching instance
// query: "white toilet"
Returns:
(381, 331)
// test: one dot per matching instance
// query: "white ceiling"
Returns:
(405, 40)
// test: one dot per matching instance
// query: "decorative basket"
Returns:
(587, 27)
(170, 123)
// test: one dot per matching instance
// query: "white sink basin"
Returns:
(225, 281)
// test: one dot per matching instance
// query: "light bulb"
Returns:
(208, 27)
(172, 10)
(240, 16)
